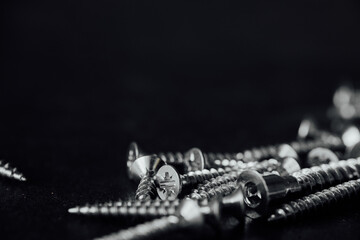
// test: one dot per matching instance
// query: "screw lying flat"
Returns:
(170, 183)
(314, 201)
(7, 171)
(261, 191)
(187, 215)
(144, 168)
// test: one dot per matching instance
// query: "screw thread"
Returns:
(195, 177)
(145, 230)
(151, 208)
(172, 158)
(7, 171)
(315, 201)
(264, 152)
(146, 189)
(320, 177)
(221, 190)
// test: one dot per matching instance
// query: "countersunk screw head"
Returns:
(286, 151)
(307, 128)
(194, 159)
(146, 165)
(289, 166)
(189, 213)
(321, 155)
(169, 183)
(350, 136)
(133, 153)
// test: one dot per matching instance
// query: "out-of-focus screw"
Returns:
(219, 208)
(261, 191)
(144, 169)
(188, 215)
(314, 201)
(192, 160)
(7, 171)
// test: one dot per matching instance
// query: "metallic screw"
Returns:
(170, 183)
(230, 206)
(349, 136)
(150, 208)
(7, 171)
(317, 200)
(144, 168)
(188, 215)
(286, 167)
(192, 160)
(216, 191)
(261, 191)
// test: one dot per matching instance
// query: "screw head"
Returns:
(321, 155)
(233, 205)
(194, 159)
(307, 128)
(286, 151)
(260, 190)
(350, 136)
(148, 164)
(354, 151)
(289, 165)
(189, 213)
(168, 183)
(133, 154)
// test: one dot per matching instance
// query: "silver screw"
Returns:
(7, 171)
(192, 160)
(286, 167)
(188, 215)
(150, 208)
(314, 201)
(261, 191)
(144, 168)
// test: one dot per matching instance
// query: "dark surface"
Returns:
(83, 79)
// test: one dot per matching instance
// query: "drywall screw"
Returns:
(223, 207)
(192, 160)
(216, 191)
(7, 171)
(314, 201)
(150, 208)
(144, 168)
(170, 182)
(261, 191)
(187, 215)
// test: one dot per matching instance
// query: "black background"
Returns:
(81, 79)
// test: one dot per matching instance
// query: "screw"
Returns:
(150, 208)
(261, 191)
(314, 201)
(187, 215)
(286, 167)
(7, 171)
(170, 183)
(144, 168)
(193, 159)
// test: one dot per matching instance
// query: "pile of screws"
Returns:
(276, 182)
